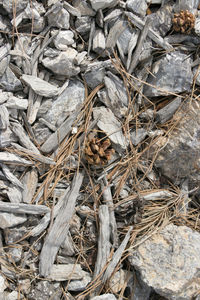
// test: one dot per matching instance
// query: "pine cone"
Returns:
(98, 151)
(183, 22)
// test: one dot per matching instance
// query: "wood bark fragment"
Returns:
(103, 240)
(60, 228)
(107, 196)
(44, 222)
(21, 208)
(116, 257)
(38, 157)
(11, 158)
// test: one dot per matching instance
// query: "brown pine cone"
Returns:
(183, 22)
(98, 151)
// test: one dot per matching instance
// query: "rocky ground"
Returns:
(99, 149)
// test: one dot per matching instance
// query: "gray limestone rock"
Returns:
(101, 4)
(172, 73)
(44, 290)
(139, 7)
(104, 297)
(161, 20)
(83, 7)
(99, 42)
(83, 24)
(63, 64)
(110, 125)
(182, 148)
(138, 136)
(10, 82)
(9, 220)
(67, 102)
(59, 19)
(19, 5)
(17, 103)
(4, 117)
(3, 284)
(39, 86)
(186, 5)
(4, 58)
(95, 77)
(64, 39)
(117, 94)
(15, 254)
(125, 38)
(169, 261)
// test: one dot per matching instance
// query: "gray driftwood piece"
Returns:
(11, 158)
(21, 208)
(151, 33)
(107, 196)
(10, 176)
(57, 137)
(103, 241)
(116, 257)
(166, 113)
(142, 37)
(39, 157)
(59, 228)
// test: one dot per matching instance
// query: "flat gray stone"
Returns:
(63, 64)
(169, 262)
(182, 148)
(10, 82)
(110, 125)
(59, 19)
(67, 102)
(101, 4)
(172, 73)
(39, 86)
(64, 39)
(139, 7)
(104, 297)
(9, 220)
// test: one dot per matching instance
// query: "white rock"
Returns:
(117, 281)
(9, 220)
(83, 7)
(104, 297)
(66, 272)
(63, 39)
(101, 4)
(14, 296)
(99, 42)
(39, 86)
(79, 285)
(138, 7)
(169, 262)
(110, 125)
(17, 103)
(3, 284)
(59, 19)
(67, 102)
(63, 64)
